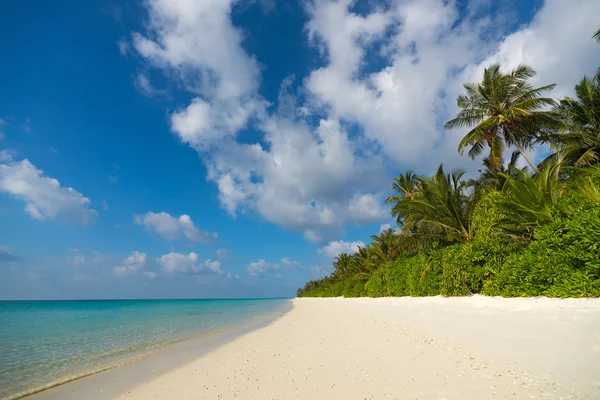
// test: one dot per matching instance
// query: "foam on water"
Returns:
(46, 343)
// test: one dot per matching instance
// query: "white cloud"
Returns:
(150, 275)
(123, 46)
(172, 228)
(44, 197)
(403, 105)
(367, 209)
(178, 263)
(388, 81)
(222, 253)
(333, 249)
(292, 263)
(261, 267)
(303, 181)
(198, 42)
(132, 265)
(313, 235)
(385, 227)
(142, 82)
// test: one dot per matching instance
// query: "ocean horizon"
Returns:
(48, 342)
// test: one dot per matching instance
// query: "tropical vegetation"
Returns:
(513, 230)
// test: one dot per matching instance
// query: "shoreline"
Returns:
(427, 348)
(93, 385)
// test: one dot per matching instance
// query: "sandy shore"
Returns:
(404, 348)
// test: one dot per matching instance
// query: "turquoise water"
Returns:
(43, 343)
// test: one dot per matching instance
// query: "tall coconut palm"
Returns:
(406, 186)
(504, 110)
(581, 145)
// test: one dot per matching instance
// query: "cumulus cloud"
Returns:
(261, 267)
(367, 209)
(288, 262)
(333, 249)
(199, 44)
(302, 179)
(178, 263)
(172, 228)
(44, 197)
(403, 104)
(387, 81)
(132, 265)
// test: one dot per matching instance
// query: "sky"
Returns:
(233, 148)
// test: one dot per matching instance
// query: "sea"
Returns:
(45, 343)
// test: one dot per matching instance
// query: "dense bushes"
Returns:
(563, 260)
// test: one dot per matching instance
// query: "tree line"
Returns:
(512, 230)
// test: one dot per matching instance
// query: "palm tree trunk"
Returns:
(525, 155)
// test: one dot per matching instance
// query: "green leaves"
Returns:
(504, 109)
(508, 232)
(440, 209)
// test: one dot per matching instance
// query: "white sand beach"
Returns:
(403, 348)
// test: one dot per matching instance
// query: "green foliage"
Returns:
(503, 109)
(508, 232)
(528, 199)
(562, 261)
(440, 209)
(580, 146)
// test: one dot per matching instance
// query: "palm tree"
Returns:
(406, 186)
(441, 208)
(581, 146)
(364, 263)
(342, 264)
(597, 36)
(385, 246)
(504, 110)
(489, 179)
(528, 199)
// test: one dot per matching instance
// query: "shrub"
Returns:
(562, 261)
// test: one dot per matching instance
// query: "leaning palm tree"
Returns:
(406, 186)
(441, 209)
(504, 110)
(581, 145)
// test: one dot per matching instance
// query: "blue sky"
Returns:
(232, 148)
